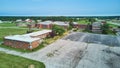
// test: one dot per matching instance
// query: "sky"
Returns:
(59, 7)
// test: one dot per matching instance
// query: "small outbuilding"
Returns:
(26, 41)
(1, 21)
(96, 27)
(45, 25)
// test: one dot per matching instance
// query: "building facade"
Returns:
(26, 41)
(96, 27)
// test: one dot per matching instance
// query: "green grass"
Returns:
(83, 22)
(16, 31)
(112, 25)
(10, 31)
(7, 24)
(11, 61)
(23, 50)
(13, 31)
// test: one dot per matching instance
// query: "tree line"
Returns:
(55, 18)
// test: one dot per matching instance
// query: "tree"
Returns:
(105, 28)
(71, 25)
(91, 20)
(58, 30)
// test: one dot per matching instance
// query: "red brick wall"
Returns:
(48, 26)
(35, 44)
(44, 26)
(80, 26)
(20, 44)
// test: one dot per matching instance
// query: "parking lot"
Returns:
(109, 40)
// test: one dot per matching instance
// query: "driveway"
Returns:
(71, 54)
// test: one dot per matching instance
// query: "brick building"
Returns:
(48, 24)
(26, 41)
(96, 27)
(80, 26)
(62, 24)
(45, 25)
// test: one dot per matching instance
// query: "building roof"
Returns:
(61, 23)
(38, 33)
(46, 22)
(1, 21)
(27, 37)
(22, 38)
(56, 22)
(75, 23)
(18, 20)
(96, 24)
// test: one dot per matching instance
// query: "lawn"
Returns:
(11, 61)
(13, 31)
(112, 24)
(17, 31)
(10, 31)
(84, 22)
(7, 24)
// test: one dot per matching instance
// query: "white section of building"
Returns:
(38, 33)
(27, 20)
(27, 37)
(19, 20)
(46, 22)
(61, 23)
(22, 38)
(96, 25)
(1, 21)
(56, 22)
(75, 23)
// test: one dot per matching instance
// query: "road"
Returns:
(71, 54)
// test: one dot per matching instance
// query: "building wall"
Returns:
(80, 26)
(49, 26)
(44, 26)
(35, 44)
(20, 44)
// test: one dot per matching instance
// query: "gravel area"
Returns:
(109, 40)
(74, 53)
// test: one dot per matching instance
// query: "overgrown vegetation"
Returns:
(58, 30)
(105, 28)
(11, 61)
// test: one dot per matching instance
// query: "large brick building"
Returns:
(26, 41)
(48, 24)
(96, 27)
(80, 26)
(45, 25)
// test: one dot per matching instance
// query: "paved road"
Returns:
(70, 54)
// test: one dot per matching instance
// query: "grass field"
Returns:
(11, 61)
(10, 31)
(84, 22)
(7, 24)
(5, 31)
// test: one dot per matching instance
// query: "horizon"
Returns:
(59, 8)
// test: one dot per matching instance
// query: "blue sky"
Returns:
(59, 7)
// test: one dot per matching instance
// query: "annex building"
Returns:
(26, 41)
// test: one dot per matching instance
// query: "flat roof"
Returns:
(61, 23)
(46, 22)
(21, 38)
(38, 33)
(56, 22)
(27, 37)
